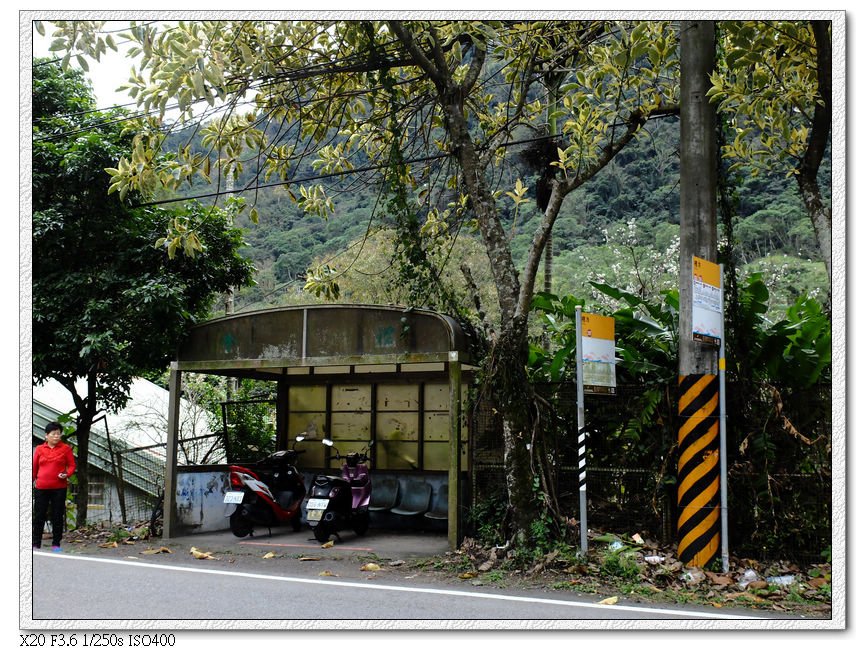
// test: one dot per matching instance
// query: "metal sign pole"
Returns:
(722, 367)
(581, 440)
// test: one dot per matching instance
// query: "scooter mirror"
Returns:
(328, 442)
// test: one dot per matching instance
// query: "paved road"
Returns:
(124, 589)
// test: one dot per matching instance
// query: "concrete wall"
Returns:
(199, 500)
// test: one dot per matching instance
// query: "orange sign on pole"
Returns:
(599, 353)
(708, 320)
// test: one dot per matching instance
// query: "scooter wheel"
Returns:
(295, 523)
(239, 525)
(361, 524)
(321, 532)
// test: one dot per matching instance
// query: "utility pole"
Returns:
(698, 439)
(698, 232)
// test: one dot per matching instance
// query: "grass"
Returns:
(493, 577)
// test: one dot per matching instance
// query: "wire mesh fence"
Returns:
(775, 508)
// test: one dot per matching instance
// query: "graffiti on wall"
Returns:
(199, 500)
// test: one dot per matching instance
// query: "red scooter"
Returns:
(268, 493)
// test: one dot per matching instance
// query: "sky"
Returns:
(108, 75)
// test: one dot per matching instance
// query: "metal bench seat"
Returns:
(415, 500)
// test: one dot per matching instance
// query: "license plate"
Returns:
(314, 515)
(317, 504)
(233, 497)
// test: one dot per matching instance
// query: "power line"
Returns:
(356, 170)
(320, 177)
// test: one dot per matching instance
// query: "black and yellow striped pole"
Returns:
(699, 476)
(700, 303)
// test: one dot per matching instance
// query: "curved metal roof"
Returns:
(323, 335)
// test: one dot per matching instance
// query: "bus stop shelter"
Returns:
(376, 354)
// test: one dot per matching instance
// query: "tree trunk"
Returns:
(508, 384)
(86, 407)
(821, 215)
(506, 374)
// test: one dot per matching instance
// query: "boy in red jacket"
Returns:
(53, 464)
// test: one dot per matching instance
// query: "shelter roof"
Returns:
(329, 339)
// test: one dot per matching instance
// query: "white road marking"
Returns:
(419, 590)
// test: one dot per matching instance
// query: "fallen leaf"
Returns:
(468, 575)
(612, 600)
(327, 544)
(370, 566)
(328, 574)
(720, 580)
(746, 595)
(268, 555)
(396, 563)
(308, 559)
(576, 568)
(636, 537)
(486, 566)
(201, 555)
(154, 551)
(129, 542)
(818, 582)
(756, 599)
(108, 545)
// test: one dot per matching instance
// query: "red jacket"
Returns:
(49, 462)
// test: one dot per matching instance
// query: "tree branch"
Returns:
(417, 55)
(635, 122)
(474, 71)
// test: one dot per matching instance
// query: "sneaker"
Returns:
(56, 549)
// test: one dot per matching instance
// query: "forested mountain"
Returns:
(621, 227)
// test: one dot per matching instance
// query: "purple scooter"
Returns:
(336, 503)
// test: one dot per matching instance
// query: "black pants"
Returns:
(57, 500)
